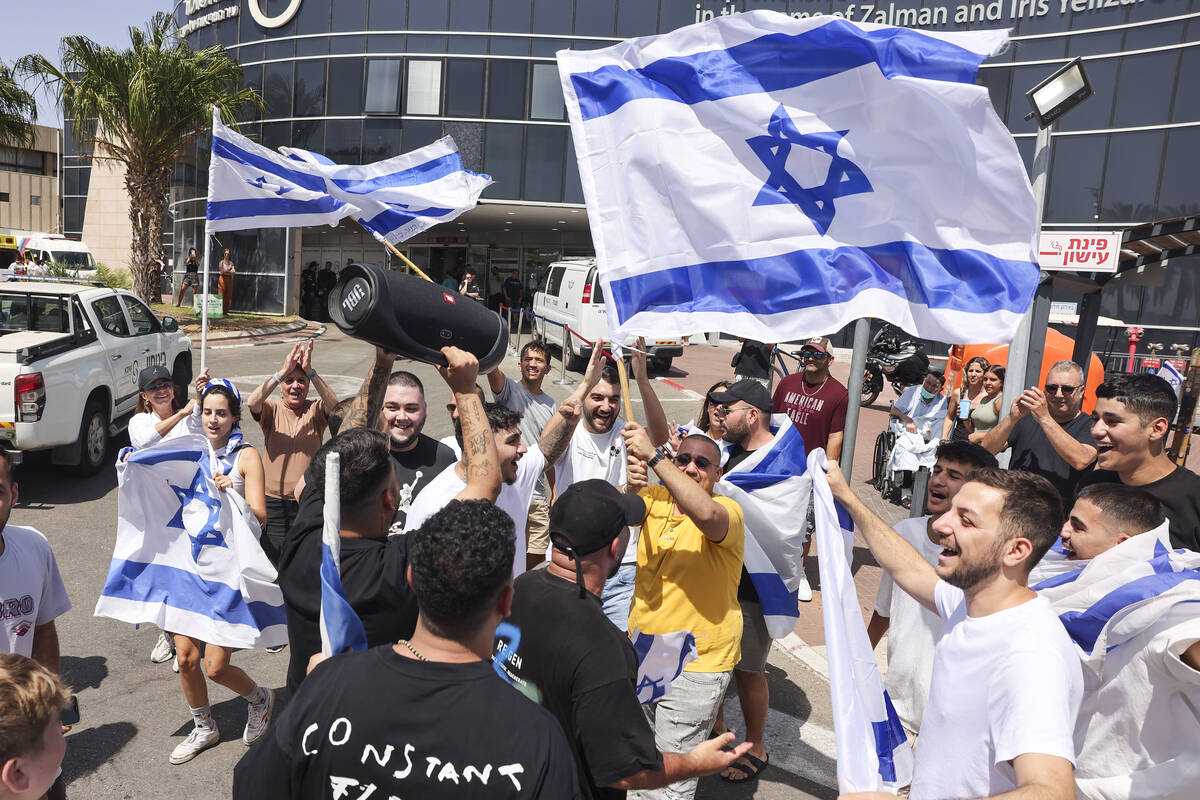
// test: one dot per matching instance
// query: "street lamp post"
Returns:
(1050, 99)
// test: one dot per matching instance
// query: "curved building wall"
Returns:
(361, 80)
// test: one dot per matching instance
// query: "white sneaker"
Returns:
(198, 740)
(258, 718)
(804, 591)
(164, 648)
(175, 664)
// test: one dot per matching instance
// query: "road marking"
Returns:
(680, 387)
(800, 650)
(802, 747)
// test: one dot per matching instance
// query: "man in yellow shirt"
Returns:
(688, 566)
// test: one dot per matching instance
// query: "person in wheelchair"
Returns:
(916, 421)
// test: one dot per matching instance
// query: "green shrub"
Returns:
(114, 278)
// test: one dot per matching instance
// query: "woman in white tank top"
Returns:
(238, 465)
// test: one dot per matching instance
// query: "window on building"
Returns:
(1078, 164)
(35, 199)
(464, 88)
(277, 89)
(544, 163)
(511, 16)
(1177, 195)
(502, 160)
(638, 18)
(16, 159)
(469, 15)
(425, 16)
(424, 88)
(345, 74)
(381, 139)
(596, 17)
(1144, 89)
(383, 87)
(546, 101)
(552, 16)
(572, 186)
(420, 132)
(1131, 176)
(350, 15)
(310, 89)
(1092, 114)
(506, 90)
(343, 141)
(388, 15)
(3, 197)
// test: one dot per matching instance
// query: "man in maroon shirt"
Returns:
(815, 402)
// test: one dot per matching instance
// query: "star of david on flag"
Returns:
(777, 178)
(187, 556)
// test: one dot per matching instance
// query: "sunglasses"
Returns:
(683, 459)
(724, 411)
(1055, 388)
(814, 354)
(452, 407)
(159, 386)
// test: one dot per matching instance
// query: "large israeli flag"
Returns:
(873, 754)
(399, 197)
(187, 556)
(772, 486)
(661, 659)
(776, 178)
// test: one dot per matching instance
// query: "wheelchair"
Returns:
(882, 478)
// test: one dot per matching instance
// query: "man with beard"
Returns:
(416, 458)
(912, 630)
(520, 469)
(572, 661)
(1007, 683)
(598, 451)
(1130, 425)
(292, 427)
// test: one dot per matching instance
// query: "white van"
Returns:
(44, 249)
(573, 296)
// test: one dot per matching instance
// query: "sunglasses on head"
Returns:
(1054, 388)
(683, 459)
(806, 352)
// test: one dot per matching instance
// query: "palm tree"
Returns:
(147, 104)
(18, 111)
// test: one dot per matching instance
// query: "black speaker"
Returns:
(415, 318)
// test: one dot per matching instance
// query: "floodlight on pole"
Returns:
(1059, 93)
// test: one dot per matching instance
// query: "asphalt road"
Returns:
(133, 712)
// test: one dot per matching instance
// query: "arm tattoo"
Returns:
(365, 407)
(556, 444)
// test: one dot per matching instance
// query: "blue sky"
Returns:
(43, 23)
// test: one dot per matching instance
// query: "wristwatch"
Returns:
(659, 454)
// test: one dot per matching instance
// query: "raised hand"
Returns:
(460, 371)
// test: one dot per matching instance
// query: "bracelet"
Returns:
(278, 378)
(312, 373)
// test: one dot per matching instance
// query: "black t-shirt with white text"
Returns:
(379, 725)
(373, 576)
(1179, 494)
(584, 670)
(1032, 452)
(414, 470)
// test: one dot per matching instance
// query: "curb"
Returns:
(266, 330)
(799, 650)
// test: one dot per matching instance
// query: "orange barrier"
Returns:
(1058, 348)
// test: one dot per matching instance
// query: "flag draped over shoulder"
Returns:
(772, 487)
(341, 629)
(251, 186)
(399, 197)
(873, 754)
(777, 178)
(187, 556)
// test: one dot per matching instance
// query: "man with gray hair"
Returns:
(1047, 432)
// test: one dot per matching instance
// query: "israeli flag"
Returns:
(251, 186)
(187, 556)
(661, 659)
(754, 166)
(341, 629)
(872, 750)
(772, 486)
(399, 197)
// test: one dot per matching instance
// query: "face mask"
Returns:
(927, 396)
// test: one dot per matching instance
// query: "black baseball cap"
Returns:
(152, 374)
(747, 390)
(590, 514)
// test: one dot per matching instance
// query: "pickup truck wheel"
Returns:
(661, 364)
(93, 440)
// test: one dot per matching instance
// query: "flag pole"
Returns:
(395, 252)
(204, 303)
(626, 400)
(331, 530)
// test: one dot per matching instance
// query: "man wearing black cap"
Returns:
(745, 411)
(573, 661)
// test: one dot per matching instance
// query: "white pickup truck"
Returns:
(70, 355)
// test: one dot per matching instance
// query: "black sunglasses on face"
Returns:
(815, 354)
(683, 459)
(1053, 388)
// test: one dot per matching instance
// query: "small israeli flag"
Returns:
(661, 659)
(776, 178)
(873, 754)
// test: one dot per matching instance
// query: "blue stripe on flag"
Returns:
(1084, 627)
(231, 152)
(343, 629)
(775, 62)
(786, 459)
(689, 644)
(271, 206)
(889, 735)
(391, 219)
(1057, 580)
(642, 645)
(178, 588)
(150, 457)
(773, 595)
(426, 172)
(828, 276)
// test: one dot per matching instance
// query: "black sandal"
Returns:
(757, 765)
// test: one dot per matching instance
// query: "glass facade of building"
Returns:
(361, 80)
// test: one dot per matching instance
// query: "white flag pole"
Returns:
(330, 533)
(207, 240)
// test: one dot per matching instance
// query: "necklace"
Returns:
(815, 391)
(413, 650)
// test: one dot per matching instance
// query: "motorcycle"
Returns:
(895, 357)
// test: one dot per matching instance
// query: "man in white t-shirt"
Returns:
(536, 408)
(598, 451)
(520, 469)
(1007, 683)
(451, 440)
(912, 630)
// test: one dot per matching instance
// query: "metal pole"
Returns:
(1018, 349)
(1085, 331)
(512, 350)
(858, 364)
(519, 325)
(919, 491)
(563, 380)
